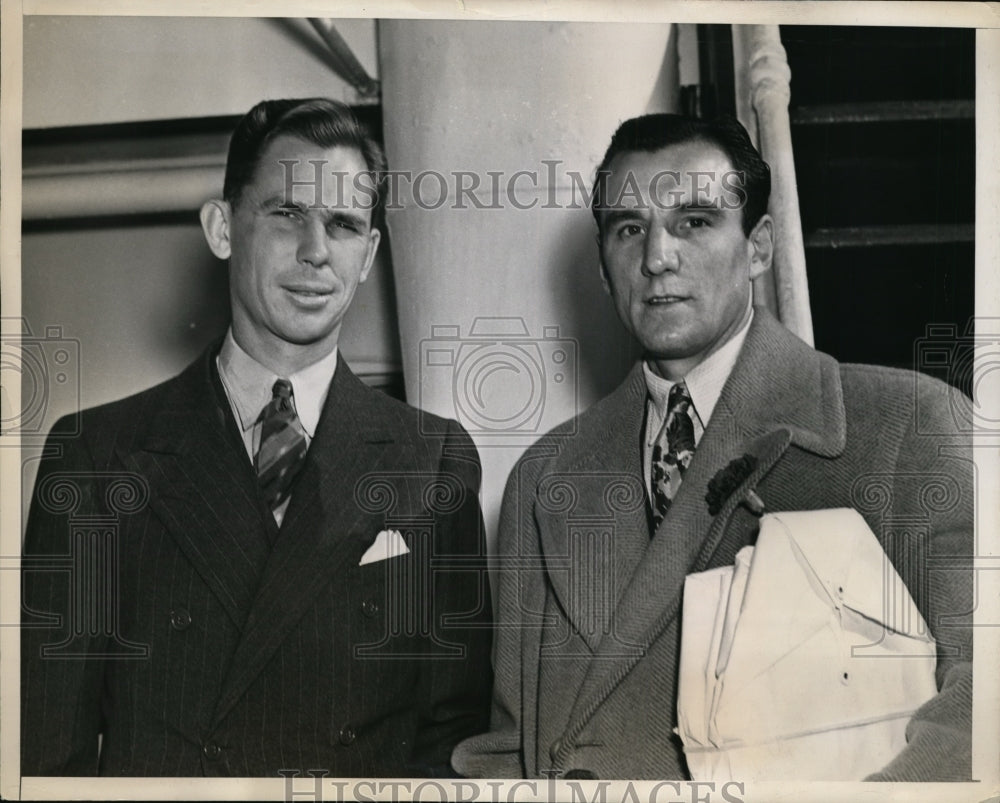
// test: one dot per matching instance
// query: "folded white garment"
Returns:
(805, 660)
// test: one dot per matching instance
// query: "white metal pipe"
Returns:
(765, 67)
(99, 191)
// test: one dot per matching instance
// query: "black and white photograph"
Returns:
(500, 402)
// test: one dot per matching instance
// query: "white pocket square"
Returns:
(388, 544)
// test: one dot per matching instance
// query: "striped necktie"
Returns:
(672, 452)
(282, 446)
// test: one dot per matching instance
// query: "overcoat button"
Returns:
(212, 751)
(180, 619)
(580, 775)
(556, 747)
(347, 735)
(370, 608)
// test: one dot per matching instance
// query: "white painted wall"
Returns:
(81, 70)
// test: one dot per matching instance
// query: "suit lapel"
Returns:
(314, 542)
(591, 512)
(202, 487)
(781, 392)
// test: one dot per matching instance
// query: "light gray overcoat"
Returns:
(588, 633)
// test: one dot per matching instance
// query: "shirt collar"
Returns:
(249, 384)
(704, 382)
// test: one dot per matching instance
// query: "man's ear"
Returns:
(374, 237)
(605, 282)
(215, 219)
(761, 246)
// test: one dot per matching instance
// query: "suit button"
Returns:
(180, 619)
(212, 751)
(347, 735)
(556, 747)
(370, 608)
(580, 775)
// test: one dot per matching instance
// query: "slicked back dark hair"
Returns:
(651, 132)
(322, 122)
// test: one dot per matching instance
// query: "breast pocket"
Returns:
(392, 596)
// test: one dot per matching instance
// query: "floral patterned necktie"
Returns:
(672, 452)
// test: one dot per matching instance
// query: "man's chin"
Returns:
(309, 340)
(669, 352)
(674, 361)
(308, 336)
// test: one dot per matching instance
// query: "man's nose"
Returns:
(659, 251)
(314, 246)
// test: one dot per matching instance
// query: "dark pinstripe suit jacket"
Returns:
(165, 611)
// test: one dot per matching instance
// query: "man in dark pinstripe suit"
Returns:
(184, 617)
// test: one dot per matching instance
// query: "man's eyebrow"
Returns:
(344, 216)
(710, 207)
(617, 215)
(279, 200)
(329, 214)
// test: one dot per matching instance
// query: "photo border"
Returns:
(987, 304)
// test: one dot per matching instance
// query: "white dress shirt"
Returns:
(704, 383)
(248, 386)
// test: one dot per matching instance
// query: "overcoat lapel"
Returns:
(781, 392)
(314, 543)
(606, 496)
(202, 488)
